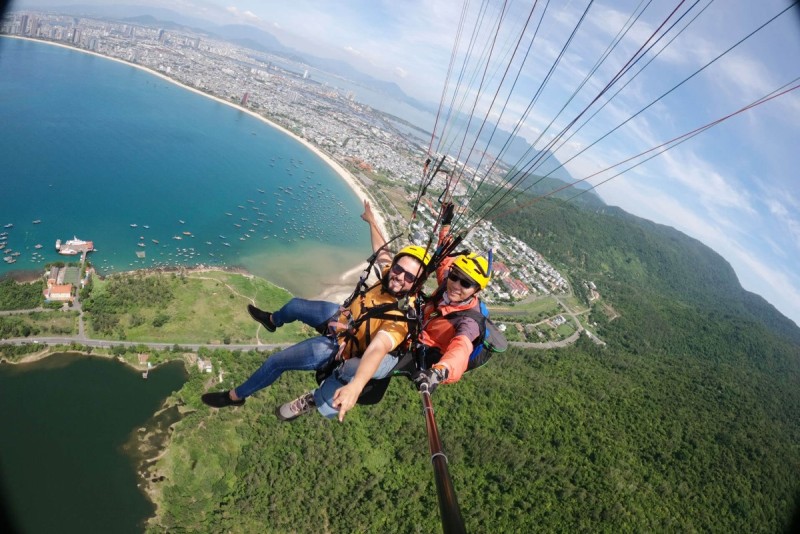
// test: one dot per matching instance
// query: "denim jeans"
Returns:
(323, 395)
(308, 355)
(311, 312)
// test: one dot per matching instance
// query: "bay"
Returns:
(90, 147)
(65, 421)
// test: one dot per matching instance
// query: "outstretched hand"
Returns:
(368, 216)
(345, 398)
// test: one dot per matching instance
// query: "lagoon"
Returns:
(67, 422)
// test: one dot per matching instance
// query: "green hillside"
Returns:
(687, 420)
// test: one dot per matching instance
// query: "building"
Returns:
(59, 293)
(500, 270)
(517, 288)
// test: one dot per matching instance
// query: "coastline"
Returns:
(343, 173)
(348, 278)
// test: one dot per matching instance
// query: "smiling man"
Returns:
(370, 326)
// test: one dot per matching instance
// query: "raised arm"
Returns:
(375, 234)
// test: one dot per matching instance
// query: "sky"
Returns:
(735, 187)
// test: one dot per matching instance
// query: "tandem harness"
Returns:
(346, 333)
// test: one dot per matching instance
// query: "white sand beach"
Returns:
(350, 276)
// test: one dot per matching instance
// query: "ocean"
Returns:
(157, 175)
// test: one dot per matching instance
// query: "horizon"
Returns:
(731, 190)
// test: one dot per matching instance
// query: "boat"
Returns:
(140, 244)
(134, 225)
(74, 246)
(37, 221)
(9, 225)
(177, 237)
(226, 244)
(187, 233)
(155, 241)
(146, 226)
(37, 246)
(181, 221)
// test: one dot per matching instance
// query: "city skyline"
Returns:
(731, 188)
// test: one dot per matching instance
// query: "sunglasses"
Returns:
(466, 284)
(407, 276)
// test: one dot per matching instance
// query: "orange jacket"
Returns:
(453, 337)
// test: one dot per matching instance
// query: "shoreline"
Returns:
(343, 173)
(347, 279)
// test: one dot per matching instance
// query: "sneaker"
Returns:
(263, 317)
(296, 408)
(220, 399)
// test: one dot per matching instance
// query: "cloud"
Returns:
(245, 16)
(352, 51)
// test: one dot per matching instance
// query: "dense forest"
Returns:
(14, 296)
(687, 420)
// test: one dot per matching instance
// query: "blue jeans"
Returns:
(311, 312)
(323, 395)
(308, 355)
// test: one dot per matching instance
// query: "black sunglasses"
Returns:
(407, 276)
(466, 284)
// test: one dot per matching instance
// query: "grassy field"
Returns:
(528, 312)
(210, 307)
(45, 323)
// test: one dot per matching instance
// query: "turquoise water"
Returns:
(61, 457)
(90, 147)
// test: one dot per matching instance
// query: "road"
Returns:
(104, 343)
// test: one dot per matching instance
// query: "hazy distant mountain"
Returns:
(161, 16)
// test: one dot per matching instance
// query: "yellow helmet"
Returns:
(414, 251)
(474, 267)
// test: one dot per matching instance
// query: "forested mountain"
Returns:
(636, 260)
(687, 420)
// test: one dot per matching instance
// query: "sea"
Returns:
(156, 175)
